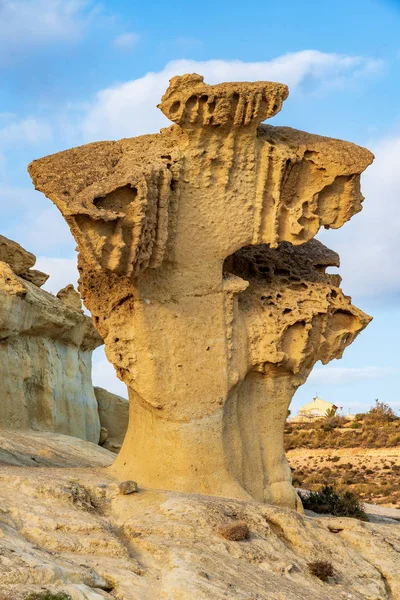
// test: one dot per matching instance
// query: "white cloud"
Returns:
(103, 374)
(369, 243)
(130, 108)
(29, 23)
(45, 230)
(126, 41)
(62, 271)
(346, 375)
(25, 131)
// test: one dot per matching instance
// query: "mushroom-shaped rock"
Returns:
(197, 263)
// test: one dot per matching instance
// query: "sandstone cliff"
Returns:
(46, 345)
(114, 417)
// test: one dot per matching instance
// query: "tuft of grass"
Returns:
(48, 596)
(329, 501)
(321, 569)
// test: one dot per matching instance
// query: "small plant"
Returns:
(329, 501)
(48, 596)
(321, 569)
(355, 425)
(235, 531)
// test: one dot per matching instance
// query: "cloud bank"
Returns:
(347, 375)
(369, 244)
(26, 24)
(129, 108)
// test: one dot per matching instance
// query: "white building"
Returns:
(316, 409)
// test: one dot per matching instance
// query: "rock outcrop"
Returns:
(45, 354)
(21, 261)
(198, 265)
(114, 417)
(46, 449)
(70, 297)
(73, 532)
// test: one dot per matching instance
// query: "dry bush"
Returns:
(373, 434)
(321, 569)
(234, 531)
(381, 413)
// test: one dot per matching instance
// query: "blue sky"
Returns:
(75, 71)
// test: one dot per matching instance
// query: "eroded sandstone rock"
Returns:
(197, 265)
(47, 449)
(16, 256)
(70, 297)
(36, 277)
(21, 261)
(114, 417)
(45, 357)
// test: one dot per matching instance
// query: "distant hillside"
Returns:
(361, 455)
(378, 428)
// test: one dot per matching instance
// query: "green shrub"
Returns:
(355, 425)
(329, 501)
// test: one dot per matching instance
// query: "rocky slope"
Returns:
(72, 531)
(46, 449)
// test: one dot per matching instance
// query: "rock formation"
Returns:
(198, 265)
(114, 417)
(45, 354)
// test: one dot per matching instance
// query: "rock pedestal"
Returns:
(198, 265)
